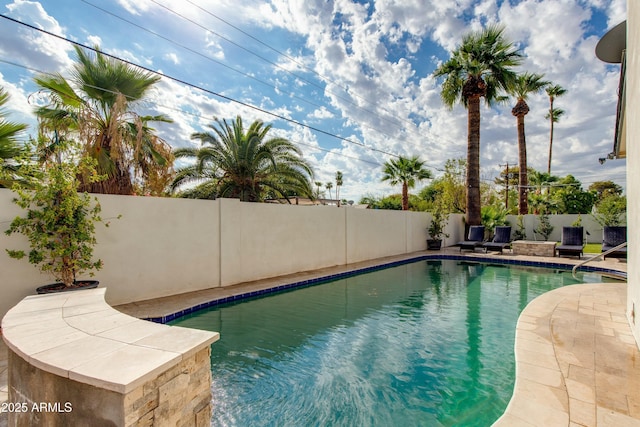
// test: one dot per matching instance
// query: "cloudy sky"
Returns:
(348, 80)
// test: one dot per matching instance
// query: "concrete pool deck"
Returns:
(577, 362)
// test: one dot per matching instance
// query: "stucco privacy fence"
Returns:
(74, 360)
(167, 246)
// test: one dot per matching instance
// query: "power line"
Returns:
(156, 103)
(195, 52)
(275, 64)
(181, 81)
(187, 48)
(290, 58)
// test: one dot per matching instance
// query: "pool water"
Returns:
(428, 343)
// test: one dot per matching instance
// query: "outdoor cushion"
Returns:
(474, 238)
(501, 239)
(572, 241)
(572, 236)
(613, 236)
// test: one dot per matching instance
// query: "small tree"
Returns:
(438, 222)
(520, 233)
(59, 222)
(577, 222)
(611, 211)
(544, 227)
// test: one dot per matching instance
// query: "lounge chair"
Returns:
(501, 239)
(474, 238)
(572, 242)
(613, 236)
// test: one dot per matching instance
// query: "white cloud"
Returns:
(30, 48)
(321, 113)
(373, 63)
(172, 57)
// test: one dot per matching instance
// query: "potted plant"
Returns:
(436, 230)
(59, 224)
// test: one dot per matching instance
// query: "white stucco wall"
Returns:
(375, 234)
(633, 164)
(164, 246)
(593, 230)
(260, 240)
(157, 247)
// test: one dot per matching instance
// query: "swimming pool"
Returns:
(427, 343)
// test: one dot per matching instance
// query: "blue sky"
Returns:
(357, 73)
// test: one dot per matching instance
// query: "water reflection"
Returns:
(428, 343)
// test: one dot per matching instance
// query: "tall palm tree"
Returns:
(481, 67)
(329, 186)
(554, 114)
(406, 172)
(10, 147)
(525, 85)
(95, 106)
(338, 185)
(318, 185)
(243, 163)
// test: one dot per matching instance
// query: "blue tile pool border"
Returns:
(317, 280)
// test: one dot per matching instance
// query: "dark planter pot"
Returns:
(434, 245)
(60, 287)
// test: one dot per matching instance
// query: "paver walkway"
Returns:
(576, 361)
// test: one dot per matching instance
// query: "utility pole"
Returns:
(506, 184)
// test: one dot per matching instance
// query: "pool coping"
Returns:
(167, 309)
(576, 360)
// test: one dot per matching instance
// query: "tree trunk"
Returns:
(405, 197)
(520, 110)
(119, 182)
(473, 162)
(550, 136)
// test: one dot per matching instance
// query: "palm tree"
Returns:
(95, 107)
(318, 185)
(338, 185)
(480, 67)
(242, 163)
(540, 179)
(525, 84)
(329, 186)
(406, 172)
(553, 115)
(10, 147)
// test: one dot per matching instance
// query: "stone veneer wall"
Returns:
(180, 396)
(75, 361)
(523, 247)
